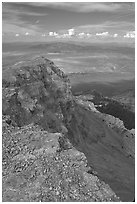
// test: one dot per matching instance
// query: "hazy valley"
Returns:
(108, 68)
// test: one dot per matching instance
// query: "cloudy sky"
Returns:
(72, 20)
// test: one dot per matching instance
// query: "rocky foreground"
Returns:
(41, 166)
(45, 141)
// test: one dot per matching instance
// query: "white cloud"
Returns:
(89, 34)
(81, 34)
(71, 31)
(115, 35)
(50, 33)
(26, 33)
(17, 35)
(110, 26)
(130, 34)
(53, 34)
(84, 35)
(69, 34)
(102, 34)
(65, 35)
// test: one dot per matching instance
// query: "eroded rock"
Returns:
(37, 92)
(37, 168)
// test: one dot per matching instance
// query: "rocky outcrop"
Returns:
(39, 162)
(42, 167)
(37, 91)
(102, 140)
(128, 136)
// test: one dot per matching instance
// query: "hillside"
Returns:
(46, 131)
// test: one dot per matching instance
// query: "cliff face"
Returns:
(39, 162)
(107, 144)
(127, 136)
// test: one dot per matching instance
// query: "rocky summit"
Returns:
(53, 148)
(36, 91)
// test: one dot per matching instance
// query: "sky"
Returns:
(43, 21)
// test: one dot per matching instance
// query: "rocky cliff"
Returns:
(39, 162)
(36, 91)
(127, 136)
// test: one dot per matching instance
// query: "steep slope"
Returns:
(103, 148)
(127, 136)
(36, 92)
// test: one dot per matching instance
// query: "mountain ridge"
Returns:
(38, 93)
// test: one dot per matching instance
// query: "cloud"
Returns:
(71, 31)
(115, 35)
(27, 33)
(21, 8)
(89, 34)
(102, 34)
(16, 34)
(84, 35)
(114, 27)
(53, 34)
(130, 34)
(81, 34)
(85, 7)
(19, 18)
(37, 18)
(65, 35)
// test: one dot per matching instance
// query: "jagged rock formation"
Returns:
(94, 135)
(39, 162)
(37, 92)
(128, 136)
